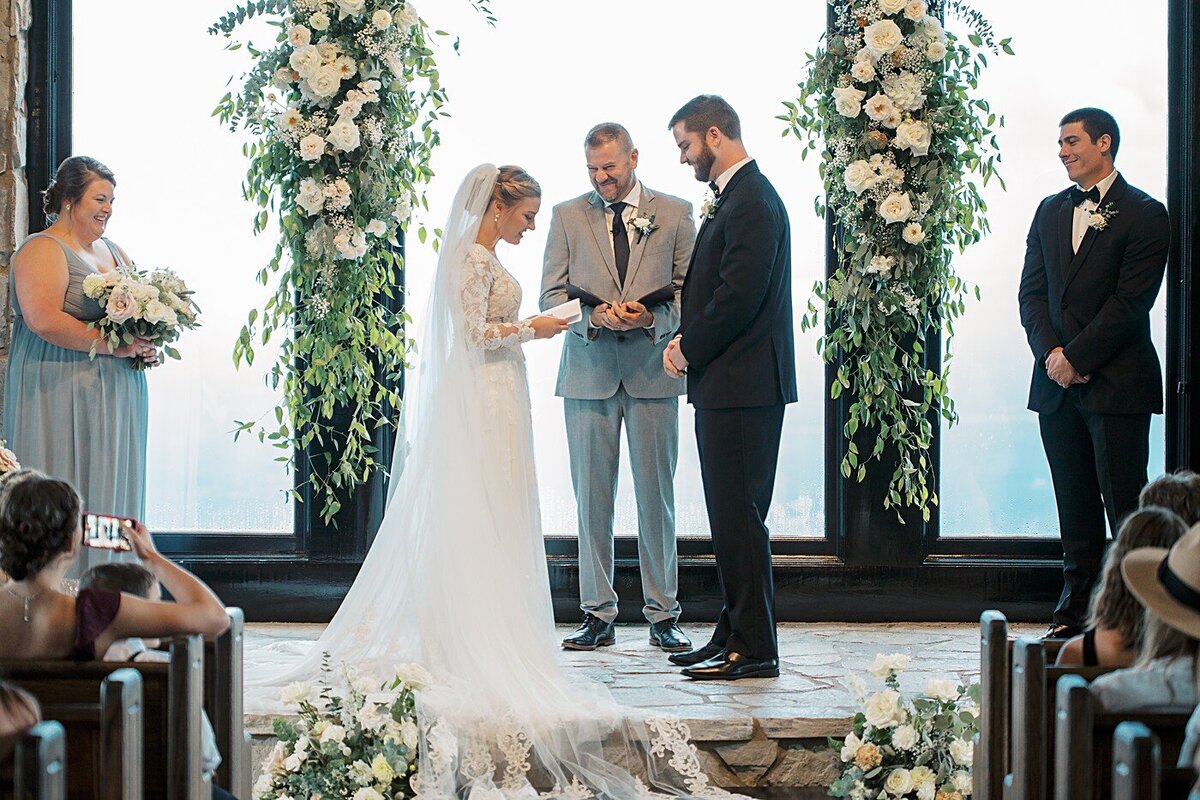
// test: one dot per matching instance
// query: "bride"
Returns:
(456, 578)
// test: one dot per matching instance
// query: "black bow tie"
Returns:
(716, 190)
(1079, 195)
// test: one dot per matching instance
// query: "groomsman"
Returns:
(623, 250)
(735, 345)
(1094, 260)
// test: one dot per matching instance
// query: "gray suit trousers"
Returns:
(594, 442)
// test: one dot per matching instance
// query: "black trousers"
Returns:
(739, 450)
(1098, 464)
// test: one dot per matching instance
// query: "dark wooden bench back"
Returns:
(1084, 758)
(36, 763)
(991, 749)
(223, 702)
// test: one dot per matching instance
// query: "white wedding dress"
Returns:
(456, 578)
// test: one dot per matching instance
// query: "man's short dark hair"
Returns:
(607, 132)
(1096, 122)
(119, 577)
(708, 111)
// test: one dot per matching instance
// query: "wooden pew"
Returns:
(1031, 724)
(223, 702)
(101, 713)
(38, 762)
(1137, 771)
(168, 762)
(1084, 758)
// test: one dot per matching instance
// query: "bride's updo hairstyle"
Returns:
(70, 182)
(514, 184)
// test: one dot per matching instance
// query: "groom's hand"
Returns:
(673, 360)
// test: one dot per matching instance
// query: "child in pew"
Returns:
(1167, 581)
(136, 580)
(1116, 619)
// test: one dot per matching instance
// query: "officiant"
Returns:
(623, 251)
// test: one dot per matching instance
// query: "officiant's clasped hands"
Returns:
(622, 316)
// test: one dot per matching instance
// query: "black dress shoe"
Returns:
(666, 636)
(593, 632)
(1061, 631)
(730, 666)
(696, 656)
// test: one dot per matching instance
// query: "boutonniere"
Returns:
(1100, 216)
(708, 209)
(643, 226)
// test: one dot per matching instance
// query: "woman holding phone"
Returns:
(40, 538)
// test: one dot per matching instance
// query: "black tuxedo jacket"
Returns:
(736, 313)
(1095, 304)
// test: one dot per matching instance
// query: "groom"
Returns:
(735, 345)
(623, 250)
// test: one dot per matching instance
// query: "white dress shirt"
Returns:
(723, 179)
(1079, 223)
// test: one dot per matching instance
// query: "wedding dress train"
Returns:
(456, 578)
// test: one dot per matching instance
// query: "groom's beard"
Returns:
(703, 163)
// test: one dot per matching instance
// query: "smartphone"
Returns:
(107, 532)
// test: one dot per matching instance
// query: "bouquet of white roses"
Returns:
(154, 305)
(358, 741)
(916, 747)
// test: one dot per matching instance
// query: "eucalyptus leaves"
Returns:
(342, 111)
(891, 97)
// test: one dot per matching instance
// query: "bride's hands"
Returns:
(547, 327)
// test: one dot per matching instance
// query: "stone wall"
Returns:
(15, 19)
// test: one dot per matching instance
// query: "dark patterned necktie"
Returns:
(620, 240)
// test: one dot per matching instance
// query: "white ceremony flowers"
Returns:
(905, 737)
(863, 70)
(312, 147)
(935, 51)
(376, 227)
(848, 100)
(311, 197)
(962, 752)
(305, 59)
(915, 9)
(882, 665)
(896, 207)
(882, 37)
(899, 782)
(319, 21)
(884, 709)
(904, 88)
(406, 17)
(914, 136)
(382, 19)
(879, 107)
(892, 6)
(859, 176)
(351, 8)
(913, 233)
(298, 35)
(880, 265)
(344, 135)
(942, 689)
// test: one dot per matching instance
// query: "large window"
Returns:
(994, 477)
(142, 99)
(528, 90)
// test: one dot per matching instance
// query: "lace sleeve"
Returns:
(478, 280)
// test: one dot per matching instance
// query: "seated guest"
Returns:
(40, 537)
(1175, 491)
(136, 580)
(1167, 581)
(1115, 618)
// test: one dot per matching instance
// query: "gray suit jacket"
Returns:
(579, 251)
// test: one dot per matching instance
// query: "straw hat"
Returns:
(1168, 581)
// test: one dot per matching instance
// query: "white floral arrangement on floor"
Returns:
(915, 747)
(156, 305)
(358, 741)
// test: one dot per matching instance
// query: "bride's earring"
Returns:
(496, 219)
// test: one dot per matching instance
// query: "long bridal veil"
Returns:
(456, 580)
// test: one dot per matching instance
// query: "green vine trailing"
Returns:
(342, 112)
(891, 98)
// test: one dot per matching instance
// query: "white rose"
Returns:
(927, 791)
(891, 6)
(407, 17)
(333, 733)
(863, 71)
(295, 692)
(896, 207)
(367, 793)
(382, 19)
(292, 763)
(942, 689)
(880, 265)
(882, 37)
(312, 147)
(913, 233)
(915, 9)
(893, 119)
(848, 100)
(402, 211)
(344, 135)
(376, 227)
(904, 88)
(896, 662)
(121, 306)
(905, 737)
(883, 709)
(932, 29)
(962, 753)
(962, 782)
(923, 776)
(298, 36)
(282, 78)
(311, 197)
(305, 60)
(915, 136)
(325, 81)
(319, 21)
(879, 107)
(850, 747)
(935, 51)
(158, 312)
(342, 244)
(349, 109)
(898, 783)
(93, 285)
(412, 675)
(859, 176)
(329, 51)
(351, 8)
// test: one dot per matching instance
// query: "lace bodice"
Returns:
(491, 300)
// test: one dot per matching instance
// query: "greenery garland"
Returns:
(891, 96)
(342, 111)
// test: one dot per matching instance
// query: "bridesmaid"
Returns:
(76, 418)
